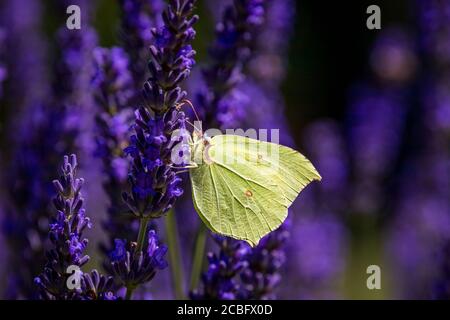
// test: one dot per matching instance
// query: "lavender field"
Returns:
(97, 96)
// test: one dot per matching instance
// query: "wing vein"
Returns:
(217, 196)
(262, 208)
(235, 197)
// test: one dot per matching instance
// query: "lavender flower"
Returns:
(26, 224)
(325, 144)
(419, 232)
(155, 186)
(418, 242)
(434, 17)
(219, 281)
(267, 65)
(216, 8)
(435, 45)
(319, 248)
(318, 238)
(263, 102)
(134, 267)
(23, 230)
(376, 119)
(377, 115)
(435, 40)
(235, 36)
(262, 276)
(68, 243)
(50, 127)
(26, 68)
(114, 90)
(154, 183)
(437, 102)
(72, 90)
(264, 108)
(95, 286)
(158, 130)
(65, 233)
(138, 18)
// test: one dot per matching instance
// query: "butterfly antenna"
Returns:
(193, 126)
(188, 102)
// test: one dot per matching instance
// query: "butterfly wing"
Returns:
(286, 168)
(234, 205)
(246, 186)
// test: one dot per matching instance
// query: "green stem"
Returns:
(199, 253)
(141, 235)
(174, 255)
(129, 293)
(140, 245)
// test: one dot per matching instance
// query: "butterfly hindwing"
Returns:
(236, 207)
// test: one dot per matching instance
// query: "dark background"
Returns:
(328, 54)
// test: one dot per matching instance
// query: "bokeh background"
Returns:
(370, 108)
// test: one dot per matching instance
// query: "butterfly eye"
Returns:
(206, 140)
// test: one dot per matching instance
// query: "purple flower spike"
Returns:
(135, 268)
(113, 94)
(231, 51)
(95, 286)
(138, 18)
(68, 244)
(264, 263)
(154, 183)
(219, 281)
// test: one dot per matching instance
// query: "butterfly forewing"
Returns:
(285, 168)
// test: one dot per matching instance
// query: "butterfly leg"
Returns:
(189, 166)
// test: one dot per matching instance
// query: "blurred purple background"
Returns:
(370, 109)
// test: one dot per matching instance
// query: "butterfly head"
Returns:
(206, 140)
(200, 147)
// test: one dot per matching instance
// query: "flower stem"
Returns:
(174, 255)
(141, 235)
(129, 293)
(139, 247)
(199, 253)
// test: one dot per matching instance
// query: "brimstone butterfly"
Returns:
(242, 187)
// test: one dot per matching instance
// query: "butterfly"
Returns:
(243, 187)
